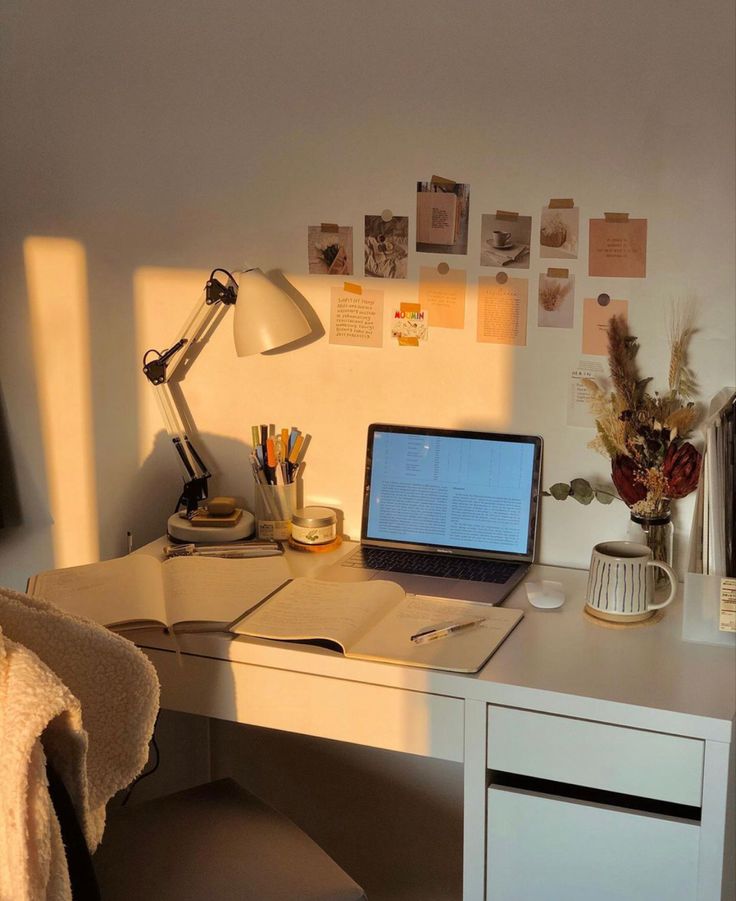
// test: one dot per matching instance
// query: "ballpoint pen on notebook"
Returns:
(433, 634)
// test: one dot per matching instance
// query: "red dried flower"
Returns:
(625, 473)
(681, 469)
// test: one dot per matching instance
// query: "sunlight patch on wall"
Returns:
(56, 273)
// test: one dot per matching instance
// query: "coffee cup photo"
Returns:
(621, 582)
(501, 239)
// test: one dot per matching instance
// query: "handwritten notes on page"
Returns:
(356, 316)
(442, 295)
(502, 311)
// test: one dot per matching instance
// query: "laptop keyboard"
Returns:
(467, 568)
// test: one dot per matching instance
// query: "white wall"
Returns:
(166, 140)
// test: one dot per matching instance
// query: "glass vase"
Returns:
(657, 533)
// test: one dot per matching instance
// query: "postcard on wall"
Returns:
(618, 248)
(442, 295)
(410, 325)
(505, 240)
(556, 300)
(580, 394)
(502, 311)
(558, 233)
(330, 249)
(595, 322)
(356, 316)
(443, 212)
(386, 247)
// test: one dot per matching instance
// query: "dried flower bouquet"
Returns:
(644, 434)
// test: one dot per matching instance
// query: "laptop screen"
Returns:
(450, 491)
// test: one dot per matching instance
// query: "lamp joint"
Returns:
(216, 292)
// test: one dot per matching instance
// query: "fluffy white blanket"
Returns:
(93, 697)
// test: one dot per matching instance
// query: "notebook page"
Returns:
(217, 589)
(465, 651)
(126, 589)
(309, 608)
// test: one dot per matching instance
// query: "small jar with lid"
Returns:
(313, 525)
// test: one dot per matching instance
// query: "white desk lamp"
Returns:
(265, 319)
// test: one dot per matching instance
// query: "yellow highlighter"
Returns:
(295, 449)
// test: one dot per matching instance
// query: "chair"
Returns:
(214, 842)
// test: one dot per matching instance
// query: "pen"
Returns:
(433, 634)
(277, 456)
(253, 549)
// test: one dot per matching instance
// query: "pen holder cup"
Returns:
(274, 506)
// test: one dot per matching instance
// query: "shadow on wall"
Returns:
(153, 496)
(9, 499)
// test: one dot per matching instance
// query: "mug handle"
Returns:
(673, 584)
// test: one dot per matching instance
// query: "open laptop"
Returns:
(446, 512)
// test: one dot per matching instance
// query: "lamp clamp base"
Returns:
(194, 491)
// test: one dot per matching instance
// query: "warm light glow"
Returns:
(330, 392)
(57, 295)
(164, 298)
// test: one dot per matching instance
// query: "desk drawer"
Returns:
(596, 755)
(541, 848)
(372, 715)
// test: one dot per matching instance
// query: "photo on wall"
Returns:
(558, 233)
(556, 304)
(443, 213)
(330, 249)
(505, 241)
(386, 246)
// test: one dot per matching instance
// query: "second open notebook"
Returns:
(376, 620)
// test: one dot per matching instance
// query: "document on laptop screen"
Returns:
(462, 492)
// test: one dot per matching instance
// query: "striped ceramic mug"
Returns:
(621, 582)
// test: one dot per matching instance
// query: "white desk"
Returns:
(636, 712)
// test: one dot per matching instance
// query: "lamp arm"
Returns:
(160, 370)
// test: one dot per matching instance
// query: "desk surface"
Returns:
(559, 661)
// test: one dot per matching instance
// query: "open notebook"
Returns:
(186, 594)
(375, 621)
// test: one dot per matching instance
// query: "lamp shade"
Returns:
(265, 317)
